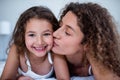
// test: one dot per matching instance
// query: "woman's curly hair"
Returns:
(100, 32)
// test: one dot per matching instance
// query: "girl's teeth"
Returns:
(39, 48)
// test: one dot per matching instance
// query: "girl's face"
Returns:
(38, 36)
(68, 37)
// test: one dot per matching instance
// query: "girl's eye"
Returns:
(31, 35)
(47, 34)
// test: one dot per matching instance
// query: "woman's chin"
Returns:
(54, 50)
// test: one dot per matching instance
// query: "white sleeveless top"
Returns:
(32, 74)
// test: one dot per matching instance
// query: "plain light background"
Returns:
(10, 10)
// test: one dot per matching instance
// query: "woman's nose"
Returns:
(56, 34)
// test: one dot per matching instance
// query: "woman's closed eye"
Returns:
(67, 33)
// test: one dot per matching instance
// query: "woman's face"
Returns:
(68, 37)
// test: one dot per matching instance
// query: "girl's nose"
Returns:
(39, 40)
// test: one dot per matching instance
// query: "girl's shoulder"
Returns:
(22, 62)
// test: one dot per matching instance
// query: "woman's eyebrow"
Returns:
(61, 22)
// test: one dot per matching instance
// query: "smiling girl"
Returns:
(33, 40)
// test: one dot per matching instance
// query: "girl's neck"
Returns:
(36, 59)
(39, 65)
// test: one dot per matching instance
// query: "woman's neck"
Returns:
(78, 65)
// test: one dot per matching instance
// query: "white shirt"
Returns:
(32, 74)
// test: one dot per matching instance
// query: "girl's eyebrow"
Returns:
(43, 31)
(30, 32)
(47, 30)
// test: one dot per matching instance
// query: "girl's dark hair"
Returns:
(39, 12)
(100, 32)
